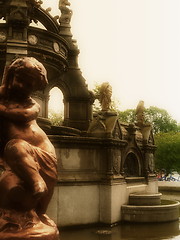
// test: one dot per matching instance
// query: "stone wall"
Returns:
(89, 189)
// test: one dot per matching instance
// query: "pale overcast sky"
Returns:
(132, 44)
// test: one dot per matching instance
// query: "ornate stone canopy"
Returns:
(54, 47)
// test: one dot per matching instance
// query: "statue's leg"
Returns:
(43, 204)
(20, 157)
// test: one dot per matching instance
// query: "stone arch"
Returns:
(46, 19)
(63, 87)
(55, 48)
(56, 106)
(132, 166)
(56, 99)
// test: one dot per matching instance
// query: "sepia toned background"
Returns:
(133, 44)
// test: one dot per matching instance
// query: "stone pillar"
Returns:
(17, 20)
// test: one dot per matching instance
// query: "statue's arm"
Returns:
(20, 113)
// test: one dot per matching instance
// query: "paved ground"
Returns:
(166, 185)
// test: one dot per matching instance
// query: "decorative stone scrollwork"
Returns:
(150, 161)
(117, 162)
(3, 36)
(117, 132)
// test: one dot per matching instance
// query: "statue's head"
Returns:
(27, 73)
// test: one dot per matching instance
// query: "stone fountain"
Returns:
(103, 164)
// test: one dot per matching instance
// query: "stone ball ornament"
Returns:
(32, 39)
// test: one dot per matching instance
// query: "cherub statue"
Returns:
(105, 94)
(66, 13)
(28, 156)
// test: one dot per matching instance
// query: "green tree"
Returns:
(159, 118)
(55, 118)
(127, 116)
(167, 155)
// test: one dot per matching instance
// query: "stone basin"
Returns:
(147, 199)
(167, 211)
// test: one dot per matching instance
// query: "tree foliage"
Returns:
(167, 155)
(127, 116)
(56, 118)
(159, 118)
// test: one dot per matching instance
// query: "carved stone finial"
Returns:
(145, 127)
(48, 9)
(56, 17)
(105, 94)
(66, 12)
(140, 113)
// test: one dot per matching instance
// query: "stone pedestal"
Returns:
(15, 225)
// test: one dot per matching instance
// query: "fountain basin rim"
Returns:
(145, 195)
(170, 205)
